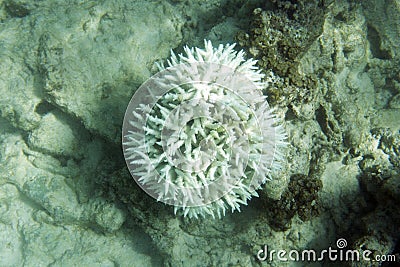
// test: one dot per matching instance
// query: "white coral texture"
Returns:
(211, 140)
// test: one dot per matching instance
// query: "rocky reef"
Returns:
(69, 68)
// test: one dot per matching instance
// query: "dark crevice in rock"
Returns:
(15, 9)
(44, 107)
(322, 119)
(375, 44)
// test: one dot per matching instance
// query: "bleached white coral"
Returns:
(200, 135)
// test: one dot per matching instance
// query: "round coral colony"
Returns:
(199, 134)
